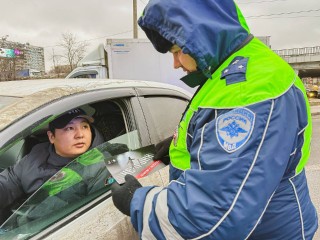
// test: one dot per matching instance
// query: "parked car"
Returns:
(134, 113)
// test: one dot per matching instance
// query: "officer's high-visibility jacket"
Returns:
(238, 155)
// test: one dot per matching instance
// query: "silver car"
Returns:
(132, 113)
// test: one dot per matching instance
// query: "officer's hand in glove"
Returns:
(122, 195)
(162, 151)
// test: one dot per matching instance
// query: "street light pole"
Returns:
(135, 27)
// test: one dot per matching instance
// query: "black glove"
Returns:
(122, 195)
(162, 151)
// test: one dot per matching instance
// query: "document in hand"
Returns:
(138, 163)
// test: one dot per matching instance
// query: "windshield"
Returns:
(6, 101)
(74, 186)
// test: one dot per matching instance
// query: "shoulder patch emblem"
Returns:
(234, 128)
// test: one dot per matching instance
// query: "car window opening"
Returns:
(111, 122)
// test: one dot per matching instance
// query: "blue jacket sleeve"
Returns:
(228, 188)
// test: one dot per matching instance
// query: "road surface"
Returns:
(313, 168)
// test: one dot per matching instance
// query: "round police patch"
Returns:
(234, 128)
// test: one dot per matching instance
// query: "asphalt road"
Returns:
(313, 169)
(315, 142)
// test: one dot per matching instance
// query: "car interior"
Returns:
(109, 122)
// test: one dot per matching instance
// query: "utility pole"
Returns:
(54, 62)
(53, 59)
(135, 27)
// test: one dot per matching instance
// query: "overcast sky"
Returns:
(41, 22)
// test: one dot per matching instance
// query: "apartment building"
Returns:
(24, 56)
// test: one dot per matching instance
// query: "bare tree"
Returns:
(7, 69)
(56, 60)
(74, 50)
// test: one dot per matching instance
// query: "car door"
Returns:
(73, 191)
(139, 122)
(113, 111)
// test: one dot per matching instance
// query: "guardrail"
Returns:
(305, 51)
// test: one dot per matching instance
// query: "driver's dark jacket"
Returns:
(26, 176)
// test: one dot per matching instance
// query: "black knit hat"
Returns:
(66, 117)
(161, 44)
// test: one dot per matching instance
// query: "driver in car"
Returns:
(70, 135)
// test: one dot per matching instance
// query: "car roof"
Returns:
(28, 87)
(17, 98)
